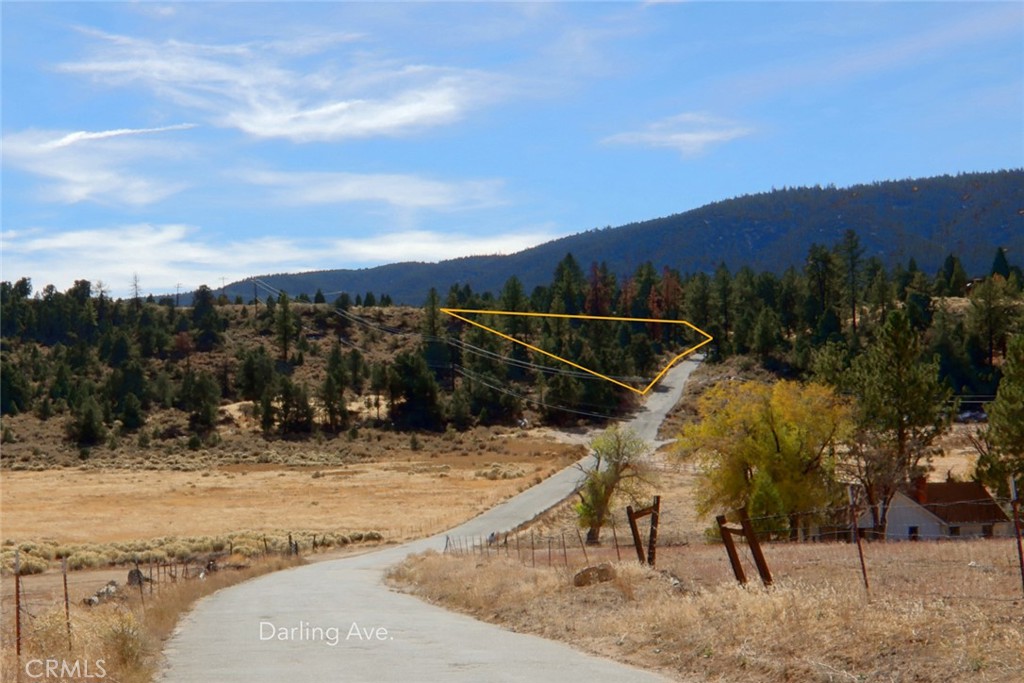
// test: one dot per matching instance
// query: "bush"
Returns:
(85, 559)
(124, 640)
(30, 564)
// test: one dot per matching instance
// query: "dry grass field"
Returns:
(937, 612)
(131, 505)
(403, 494)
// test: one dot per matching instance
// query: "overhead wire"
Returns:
(475, 350)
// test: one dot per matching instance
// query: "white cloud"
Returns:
(424, 245)
(689, 133)
(398, 190)
(251, 87)
(165, 256)
(96, 166)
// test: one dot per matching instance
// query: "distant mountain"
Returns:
(969, 215)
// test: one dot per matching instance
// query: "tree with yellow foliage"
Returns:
(769, 448)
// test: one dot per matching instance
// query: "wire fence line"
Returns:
(954, 568)
(35, 596)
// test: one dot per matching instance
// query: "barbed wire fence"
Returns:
(974, 568)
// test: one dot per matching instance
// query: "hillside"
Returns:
(927, 218)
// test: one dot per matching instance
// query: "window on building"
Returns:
(913, 533)
(986, 530)
(954, 531)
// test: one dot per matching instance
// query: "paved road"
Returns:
(323, 621)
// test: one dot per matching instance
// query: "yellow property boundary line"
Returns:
(459, 314)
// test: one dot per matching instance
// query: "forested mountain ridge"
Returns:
(927, 219)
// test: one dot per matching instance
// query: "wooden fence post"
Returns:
(755, 547)
(67, 599)
(583, 545)
(565, 554)
(652, 541)
(615, 539)
(631, 516)
(730, 549)
(854, 526)
(17, 605)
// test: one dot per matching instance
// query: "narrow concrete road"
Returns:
(336, 621)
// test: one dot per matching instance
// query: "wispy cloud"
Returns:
(98, 166)
(691, 133)
(253, 87)
(398, 190)
(167, 255)
(869, 59)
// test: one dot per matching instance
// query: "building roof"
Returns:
(959, 502)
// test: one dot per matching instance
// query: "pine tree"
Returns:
(86, 426)
(1006, 424)
(902, 408)
(284, 325)
(850, 255)
(1000, 266)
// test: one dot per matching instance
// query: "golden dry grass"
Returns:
(932, 614)
(405, 494)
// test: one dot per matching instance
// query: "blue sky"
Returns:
(189, 143)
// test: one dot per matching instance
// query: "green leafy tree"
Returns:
(619, 466)
(902, 408)
(770, 449)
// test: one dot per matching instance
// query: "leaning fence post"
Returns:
(615, 537)
(730, 549)
(755, 547)
(565, 554)
(631, 516)
(583, 545)
(854, 525)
